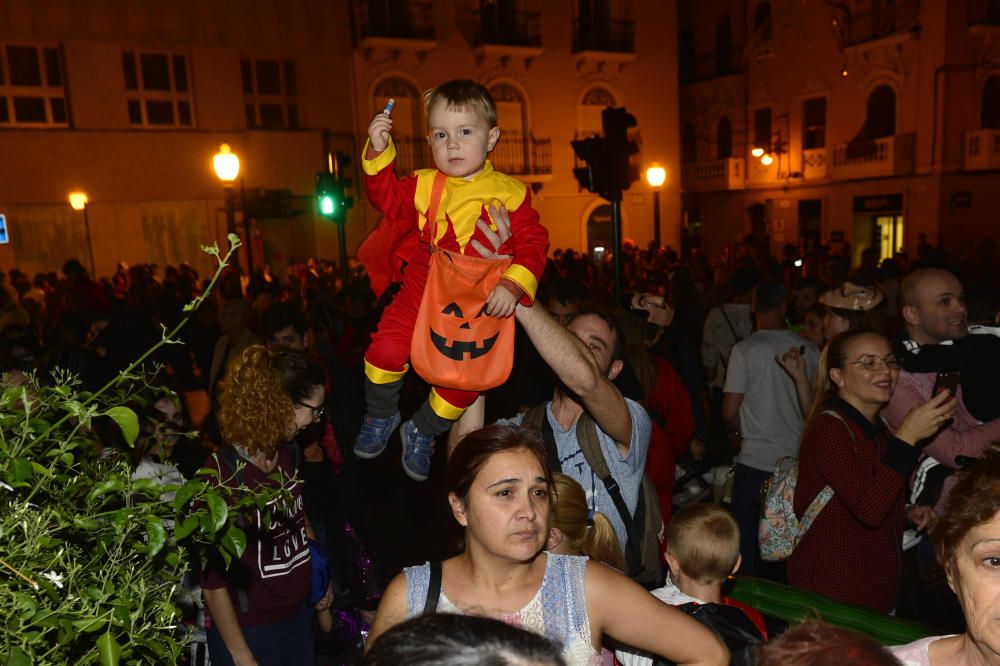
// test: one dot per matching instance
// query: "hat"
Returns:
(852, 297)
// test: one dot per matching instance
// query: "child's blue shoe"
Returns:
(417, 451)
(374, 435)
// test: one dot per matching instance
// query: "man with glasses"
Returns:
(760, 409)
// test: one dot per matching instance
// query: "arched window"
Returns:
(510, 155)
(881, 115)
(724, 139)
(408, 128)
(687, 57)
(594, 101)
(689, 144)
(762, 29)
(723, 47)
(990, 114)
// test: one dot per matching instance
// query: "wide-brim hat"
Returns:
(852, 297)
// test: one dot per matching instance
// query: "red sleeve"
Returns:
(382, 252)
(391, 196)
(529, 245)
(866, 485)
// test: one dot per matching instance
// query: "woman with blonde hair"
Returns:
(258, 604)
(576, 530)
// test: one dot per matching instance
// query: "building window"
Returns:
(724, 139)
(990, 116)
(409, 131)
(762, 128)
(881, 117)
(724, 47)
(32, 87)
(814, 123)
(157, 89)
(595, 100)
(270, 93)
(762, 29)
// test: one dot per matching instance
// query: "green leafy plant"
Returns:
(91, 560)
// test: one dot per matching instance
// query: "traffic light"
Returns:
(341, 170)
(326, 194)
(593, 176)
(620, 147)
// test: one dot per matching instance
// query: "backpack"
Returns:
(645, 528)
(779, 530)
(732, 626)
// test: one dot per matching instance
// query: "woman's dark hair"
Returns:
(974, 500)
(479, 446)
(445, 639)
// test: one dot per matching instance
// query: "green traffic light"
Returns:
(326, 204)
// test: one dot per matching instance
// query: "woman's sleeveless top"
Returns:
(558, 610)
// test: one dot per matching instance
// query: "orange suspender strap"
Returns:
(437, 192)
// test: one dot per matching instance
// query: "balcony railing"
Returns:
(888, 156)
(885, 20)
(396, 20)
(495, 26)
(984, 12)
(522, 156)
(982, 150)
(609, 36)
(711, 67)
(726, 174)
(515, 155)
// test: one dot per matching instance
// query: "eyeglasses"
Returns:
(873, 362)
(317, 411)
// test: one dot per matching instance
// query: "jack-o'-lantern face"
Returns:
(459, 330)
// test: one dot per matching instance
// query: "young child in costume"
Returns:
(462, 127)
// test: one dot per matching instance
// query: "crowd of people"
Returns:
(271, 362)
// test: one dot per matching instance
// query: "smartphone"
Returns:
(946, 380)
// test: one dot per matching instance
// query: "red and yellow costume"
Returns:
(402, 240)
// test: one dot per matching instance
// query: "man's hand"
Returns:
(378, 132)
(501, 218)
(923, 517)
(501, 303)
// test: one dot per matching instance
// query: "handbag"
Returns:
(455, 344)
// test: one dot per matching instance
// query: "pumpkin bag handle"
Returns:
(437, 193)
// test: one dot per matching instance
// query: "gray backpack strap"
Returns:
(824, 496)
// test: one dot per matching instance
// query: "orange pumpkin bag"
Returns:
(455, 344)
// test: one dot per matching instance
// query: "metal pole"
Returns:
(617, 229)
(90, 245)
(246, 228)
(342, 239)
(656, 218)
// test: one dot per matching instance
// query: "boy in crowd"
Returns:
(703, 550)
(462, 131)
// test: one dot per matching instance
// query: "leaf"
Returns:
(88, 624)
(235, 541)
(109, 486)
(219, 511)
(208, 471)
(85, 523)
(157, 535)
(18, 657)
(22, 470)
(187, 491)
(147, 487)
(127, 421)
(109, 649)
(186, 527)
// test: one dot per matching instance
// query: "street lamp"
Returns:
(227, 168)
(78, 201)
(656, 176)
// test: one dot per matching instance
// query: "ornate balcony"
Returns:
(390, 24)
(886, 20)
(522, 156)
(504, 32)
(982, 150)
(888, 156)
(725, 174)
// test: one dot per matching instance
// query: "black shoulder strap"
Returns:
(732, 329)
(433, 588)
(586, 436)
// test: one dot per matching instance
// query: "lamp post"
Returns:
(656, 176)
(227, 168)
(78, 201)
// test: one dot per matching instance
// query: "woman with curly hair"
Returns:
(258, 605)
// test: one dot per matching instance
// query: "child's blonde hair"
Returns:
(590, 534)
(461, 94)
(705, 539)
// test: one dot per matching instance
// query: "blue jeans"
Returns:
(745, 506)
(285, 643)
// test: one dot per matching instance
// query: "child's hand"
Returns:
(501, 303)
(378, 132)
(324, 603)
